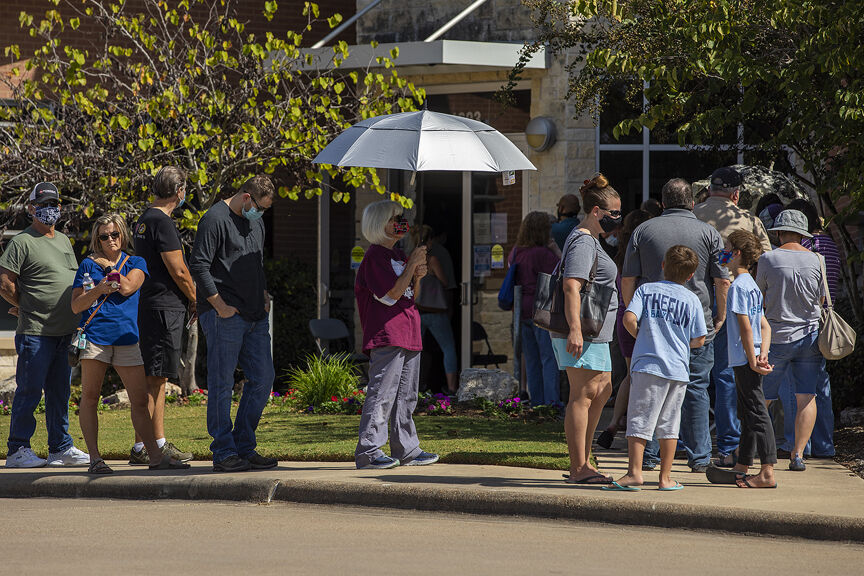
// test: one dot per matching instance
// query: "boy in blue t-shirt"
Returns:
(749, 337)
(667, 321)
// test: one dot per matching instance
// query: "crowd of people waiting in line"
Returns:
(760, 272)
(680, 322)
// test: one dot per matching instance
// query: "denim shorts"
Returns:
(595, 356)
(800, 362)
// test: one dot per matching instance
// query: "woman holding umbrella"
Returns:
(384, 289)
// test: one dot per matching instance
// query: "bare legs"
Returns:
(635, 453)
(92, 375)
(621, 400)
(804, 421)
(589, 391)
(156, 405)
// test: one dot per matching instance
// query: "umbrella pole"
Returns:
(324, 249)
(467, 271)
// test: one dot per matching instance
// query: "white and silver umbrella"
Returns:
(422, 141)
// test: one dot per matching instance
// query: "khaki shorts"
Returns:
(113, 355)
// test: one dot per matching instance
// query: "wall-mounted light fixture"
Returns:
(540, 133)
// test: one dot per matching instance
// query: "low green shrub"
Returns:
(323, 379)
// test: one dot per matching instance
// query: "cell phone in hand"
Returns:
(114, 278)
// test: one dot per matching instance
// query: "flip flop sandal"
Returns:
(99, 466)
(721, 476)
(727, 461)
(615, 487)
(677, 486)
(595, 479)
(169, 464)
(743, 482)
(605, 439)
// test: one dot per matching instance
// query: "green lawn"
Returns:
(288, 436)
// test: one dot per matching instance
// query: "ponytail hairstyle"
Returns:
(596, 191)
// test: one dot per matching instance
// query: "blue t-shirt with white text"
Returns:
(116, 323)
(744, 298)
(669, 316)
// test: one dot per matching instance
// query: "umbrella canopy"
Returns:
(421, 141)
(758, 181)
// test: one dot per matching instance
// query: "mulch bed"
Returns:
(849, 448)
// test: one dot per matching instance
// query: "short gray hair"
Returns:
(677, 193)
(375, 218)
(168, 181)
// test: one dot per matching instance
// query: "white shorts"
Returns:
(654, 408)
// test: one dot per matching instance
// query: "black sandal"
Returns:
(169, 464)
(99, 466)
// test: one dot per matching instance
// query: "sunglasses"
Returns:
(614, 213)
(51, 203)
(112, 235)
(257, 205)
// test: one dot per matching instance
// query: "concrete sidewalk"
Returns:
(826, 502)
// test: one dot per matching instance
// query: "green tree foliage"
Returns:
(791, 72)
(153, 82)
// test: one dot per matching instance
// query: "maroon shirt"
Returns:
(531, 260)
(385, 321)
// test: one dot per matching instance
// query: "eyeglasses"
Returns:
(51, 203)
(112, 235)
(257, 205)
(614, 213)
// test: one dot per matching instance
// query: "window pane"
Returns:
(619, 105)
(690, 165)
(624, 171)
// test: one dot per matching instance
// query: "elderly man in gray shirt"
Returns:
(643, 263)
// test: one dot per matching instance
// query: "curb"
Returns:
(262, 489)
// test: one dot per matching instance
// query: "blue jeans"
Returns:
(439, 324)
(541, 367)
(232, 341)
(725, 394)
(695, 432)
(41, 366)
(799, 368)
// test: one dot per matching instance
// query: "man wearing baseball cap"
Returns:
(721, 212)
(36, 273)
(790, 277)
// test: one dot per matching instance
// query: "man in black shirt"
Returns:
(164, 298)
(233, 306)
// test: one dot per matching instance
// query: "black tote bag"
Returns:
(549, 301)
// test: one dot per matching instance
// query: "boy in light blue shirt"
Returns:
(749, 337)
(667, 321)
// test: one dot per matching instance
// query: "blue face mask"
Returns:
(182, 200)
(725, 256)
(252, 214)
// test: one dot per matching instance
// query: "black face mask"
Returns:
(609, 224)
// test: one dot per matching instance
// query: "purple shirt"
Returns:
(823, 244)
(385, 321)
(531, 260)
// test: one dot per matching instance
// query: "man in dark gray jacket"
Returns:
(233, 308)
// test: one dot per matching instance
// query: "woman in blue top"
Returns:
(112, 335)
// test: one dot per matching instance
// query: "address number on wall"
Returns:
(475, 115)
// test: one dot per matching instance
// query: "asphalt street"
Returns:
(80, 536)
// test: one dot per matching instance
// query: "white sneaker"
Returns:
(72, 456)
(25, 458)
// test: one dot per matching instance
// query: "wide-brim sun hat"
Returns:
(791, 221)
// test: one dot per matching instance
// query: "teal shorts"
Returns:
(595, 356)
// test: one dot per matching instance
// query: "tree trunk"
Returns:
(187, 361)
(850, 273)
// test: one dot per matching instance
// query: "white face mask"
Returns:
(611, 241)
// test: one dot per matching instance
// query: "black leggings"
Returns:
(757, 431)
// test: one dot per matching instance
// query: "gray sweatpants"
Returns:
(391, 395)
